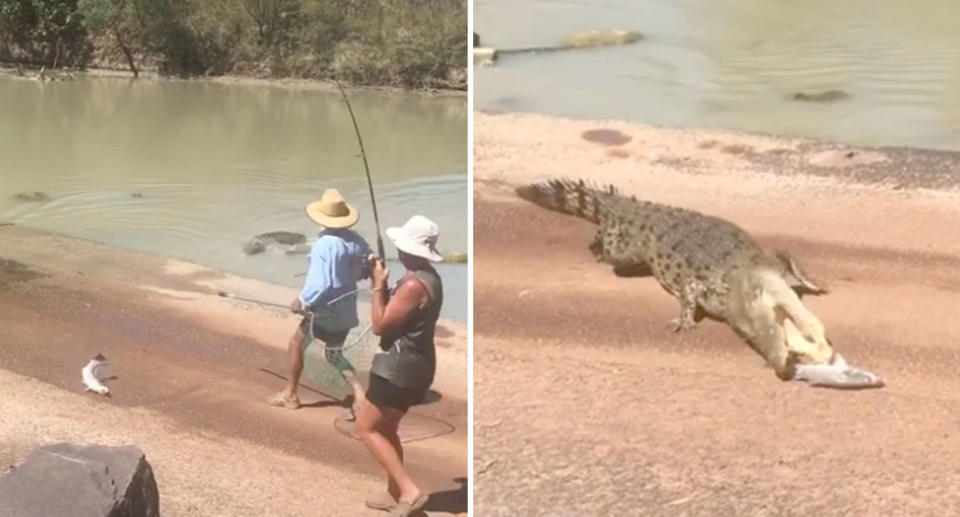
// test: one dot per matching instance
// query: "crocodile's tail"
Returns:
(577, 198)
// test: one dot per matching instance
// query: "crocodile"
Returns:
(714, 269)
(32, 196)
(827, 96)
(294, 242)
(581, 40)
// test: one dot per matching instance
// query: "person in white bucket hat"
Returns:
(401, 376)
(418, 238)
(328, 300)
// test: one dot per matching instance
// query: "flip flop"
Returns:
(384, 502)
(403, 508)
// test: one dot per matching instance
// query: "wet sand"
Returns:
(586, 404)
(192, 372)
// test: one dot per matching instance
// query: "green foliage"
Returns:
(45, 31)
(102, 15)
(411, 43)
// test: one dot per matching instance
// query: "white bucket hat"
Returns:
(417, 237)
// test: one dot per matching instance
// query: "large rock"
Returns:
(81, 481)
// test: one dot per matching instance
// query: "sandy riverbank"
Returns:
(192, 377)
(587, 405)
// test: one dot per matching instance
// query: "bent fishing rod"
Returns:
(366, 167)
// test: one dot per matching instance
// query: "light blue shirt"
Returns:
(337, 262)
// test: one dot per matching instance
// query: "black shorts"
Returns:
(331, 340)
(383, 393)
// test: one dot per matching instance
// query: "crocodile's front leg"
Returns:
(688, 297)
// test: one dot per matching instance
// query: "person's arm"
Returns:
(387, 318)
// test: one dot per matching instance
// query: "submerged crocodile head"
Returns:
(253, 246)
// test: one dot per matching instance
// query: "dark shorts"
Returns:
(331, 340)
(383, 393)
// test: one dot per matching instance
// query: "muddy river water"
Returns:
(192, 169)
(736, 64)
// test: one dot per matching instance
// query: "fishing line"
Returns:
(311, 315)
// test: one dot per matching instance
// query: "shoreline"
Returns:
(194, 368)
(709, 152)
(297, 84)
(696, 423)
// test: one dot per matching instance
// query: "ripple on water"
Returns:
(106, 212)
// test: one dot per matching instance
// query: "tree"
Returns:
(114, 17)
(43, 30)
(273, 18)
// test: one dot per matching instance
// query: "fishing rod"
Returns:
(366, 167)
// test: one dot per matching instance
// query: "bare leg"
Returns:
(295, 354)
(377, 429)
(351, 377)
(391, 433)
(288, 397)
(335, 358)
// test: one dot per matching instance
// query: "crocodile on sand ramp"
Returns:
(714, 269)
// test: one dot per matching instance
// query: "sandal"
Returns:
(384, 502)
(403, 508)
(283, 400)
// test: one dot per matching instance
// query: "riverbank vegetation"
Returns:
(404, 43)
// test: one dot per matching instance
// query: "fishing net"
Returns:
(324, 361)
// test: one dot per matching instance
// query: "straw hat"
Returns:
(332, 211)
(417, 237)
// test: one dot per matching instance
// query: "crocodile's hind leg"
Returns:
(610, 246)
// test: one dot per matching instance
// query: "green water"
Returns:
(217, 164)
(734, 63)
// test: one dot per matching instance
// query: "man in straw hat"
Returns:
(328, 300)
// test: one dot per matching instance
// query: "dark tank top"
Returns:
(411, 361)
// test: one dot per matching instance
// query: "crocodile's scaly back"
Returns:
(577, 198)
(674, 242)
